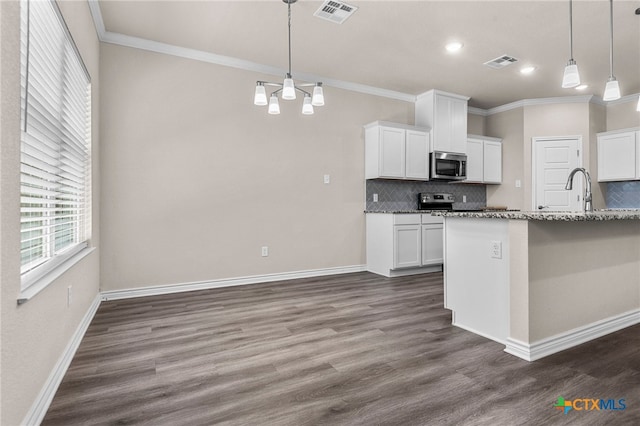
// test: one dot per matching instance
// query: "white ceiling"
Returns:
(399, 45)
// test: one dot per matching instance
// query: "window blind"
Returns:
(55, 207)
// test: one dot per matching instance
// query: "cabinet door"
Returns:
(492, 162)
(432, 247)
(458, 120)
(617, 157)
(450, 124)
(417, 154)
(475, 160)
(441, 123)
(407, 246)
(392, 152)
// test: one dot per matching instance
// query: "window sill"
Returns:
(42, 282)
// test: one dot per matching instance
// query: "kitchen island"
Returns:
(542, 282)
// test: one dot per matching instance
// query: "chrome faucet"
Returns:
(588, 206)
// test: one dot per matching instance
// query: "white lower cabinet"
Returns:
(404, 244)
(432, 247)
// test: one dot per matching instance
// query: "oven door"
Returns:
(448, 166)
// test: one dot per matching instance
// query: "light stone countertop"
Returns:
(601, 215)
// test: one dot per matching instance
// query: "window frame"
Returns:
(60, 230)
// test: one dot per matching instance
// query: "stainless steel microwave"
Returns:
(448, 166)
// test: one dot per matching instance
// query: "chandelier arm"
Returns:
(303, 91)
(266, 83)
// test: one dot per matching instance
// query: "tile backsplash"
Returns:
(403, 195)
(623, 195)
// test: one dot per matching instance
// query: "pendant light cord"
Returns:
(571, 27)
(611, 38)
(289, 7)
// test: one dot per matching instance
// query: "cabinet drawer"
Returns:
(427, 218)
(406, 219)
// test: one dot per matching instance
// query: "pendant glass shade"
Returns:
(318, 96)
(611, 90)
(260, 97)
(288, 89)
(307, 107)
(571, 75)
(274, 106)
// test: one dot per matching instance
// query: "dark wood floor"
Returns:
(353, 349)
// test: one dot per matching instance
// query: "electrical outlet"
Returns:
(518, 183)
(375, 198)
(496, 249)
(69, 296)
(265, 251)
(327, 179)
(464, 198)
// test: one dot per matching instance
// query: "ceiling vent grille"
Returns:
(501, 62)
(335, 11)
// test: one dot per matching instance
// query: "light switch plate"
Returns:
(327, 179)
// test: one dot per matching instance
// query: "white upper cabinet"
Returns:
(484, 159)
(475, 160)
(619, 155)
(446, 115)
(396, 151)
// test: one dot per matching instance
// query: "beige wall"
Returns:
(196, 179)
(623, 115)
(34, 335)
(508, 125)
(476, 124)
(518, 126)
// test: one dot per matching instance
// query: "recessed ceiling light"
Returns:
(582, 87)
(454, 46)
(527, 70)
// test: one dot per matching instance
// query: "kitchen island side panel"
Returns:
(581, 273)
(477, 278)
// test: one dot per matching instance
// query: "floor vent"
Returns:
(501, 62)
(335, 11)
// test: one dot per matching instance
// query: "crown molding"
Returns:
(624, 99)
(228, 61)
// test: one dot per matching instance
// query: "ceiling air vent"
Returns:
(501, 62)
(335, 11)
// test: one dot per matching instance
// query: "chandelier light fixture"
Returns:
(571, 76)
(287, 89)
(612, 89)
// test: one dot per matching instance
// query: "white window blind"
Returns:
(56, 143)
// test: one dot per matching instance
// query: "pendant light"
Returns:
(287, 89)
(612, 89)
(571, 76)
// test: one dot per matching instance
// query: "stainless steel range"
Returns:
(435, 201)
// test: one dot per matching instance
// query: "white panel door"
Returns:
(407, 246)
(458, 110)
(553, 161)
(417, 154)
(392, 152)
(442, 128)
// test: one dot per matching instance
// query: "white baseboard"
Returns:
(228, 282)
(39, 408)
(571, 338)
